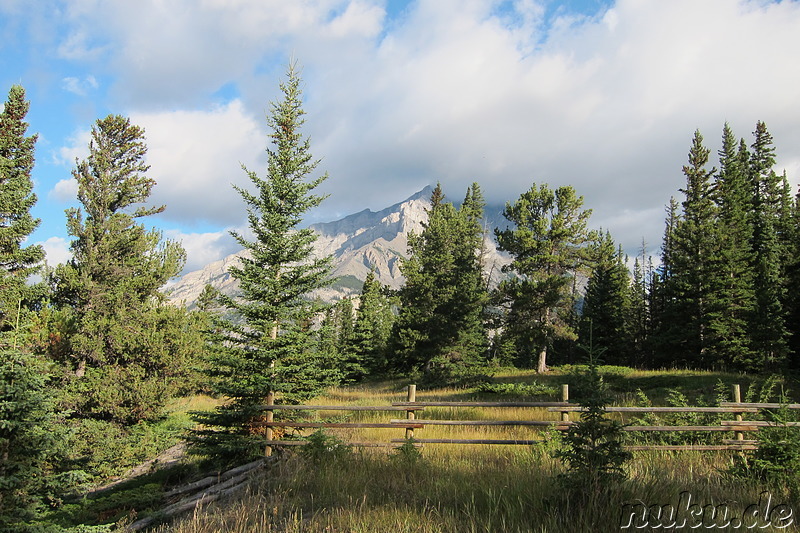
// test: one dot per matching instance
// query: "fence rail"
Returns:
(411, 407)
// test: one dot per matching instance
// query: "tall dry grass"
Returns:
(464, 488)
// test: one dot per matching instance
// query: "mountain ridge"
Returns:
(359, 242)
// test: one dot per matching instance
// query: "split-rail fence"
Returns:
(411, 423)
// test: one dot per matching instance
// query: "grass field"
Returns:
(465, 488)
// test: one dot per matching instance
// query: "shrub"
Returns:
(592, 448)
(324, 448)
(777, 458)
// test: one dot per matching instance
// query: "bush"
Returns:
(324, 448)
(777, 458)
(592, 448)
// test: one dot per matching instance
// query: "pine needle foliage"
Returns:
(592, 450)
(548, 244)
(27, 436)
(17, 262)
(123, 348)
(266, 341)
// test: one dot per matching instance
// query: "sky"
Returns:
(601, 95)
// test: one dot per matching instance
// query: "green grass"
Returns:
(465, 488)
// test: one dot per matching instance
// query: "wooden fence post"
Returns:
(565, 398)
(411, 397)
(737, 398)
(269, 416)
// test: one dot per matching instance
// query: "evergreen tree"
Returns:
(694, 260)
(271, 346)
(734, 291)
(17, 262)
(124, 343)
(548, 245)
(768, 330)
(637, 319)
(607, 302)
(28, 437)
(593, 451)
(663, 295)
(442, 302)
(793, 280)
(373, 326)
(337, 337)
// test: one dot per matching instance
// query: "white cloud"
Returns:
(78, 86)
(76, 149)
(195, 157)
(452, 91)
(56, 250)
(203, 248)
(64, 191)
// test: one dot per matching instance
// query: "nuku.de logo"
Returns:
(686, 514)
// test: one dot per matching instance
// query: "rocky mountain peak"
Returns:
(358, 242)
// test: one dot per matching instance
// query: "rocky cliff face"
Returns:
(358, 242)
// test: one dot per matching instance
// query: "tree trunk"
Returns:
(541, 368)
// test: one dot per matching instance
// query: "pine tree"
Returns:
(271, 346)
(442, 302)
(373, 326)
(663, 295)
(729, 321)
(607, 302)
(637, 319)
(17, 262)
(125, 350)
(548, 245)
(694, 257)
(768, 330)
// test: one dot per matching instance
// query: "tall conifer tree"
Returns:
(768, 326)
(734, 290)
(373, 326)
(124, 343)
(548, 245)
(663, 293)
(637, 321)
(443, 299)
(270, 346)
(694, 257)
(606, 303)
(17, 262)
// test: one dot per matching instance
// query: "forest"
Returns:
(93, 355)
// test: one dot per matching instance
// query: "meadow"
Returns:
(328, 486)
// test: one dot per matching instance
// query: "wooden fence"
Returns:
(739, 426)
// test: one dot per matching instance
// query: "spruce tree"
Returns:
(768, 331)
(663, 293)
(637, 319)
(548, 245)
(793, 281)
(125, 350)
(606, 302)
(28, 433)
(439, 327)
(734, 291)
(270, 345)
(373, 326)
(694, 258)
(17, 262)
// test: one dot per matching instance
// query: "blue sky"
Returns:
(601, 95)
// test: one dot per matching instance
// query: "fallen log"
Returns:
(211, 488)
(210, 480)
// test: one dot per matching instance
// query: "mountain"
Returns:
(358, 242)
